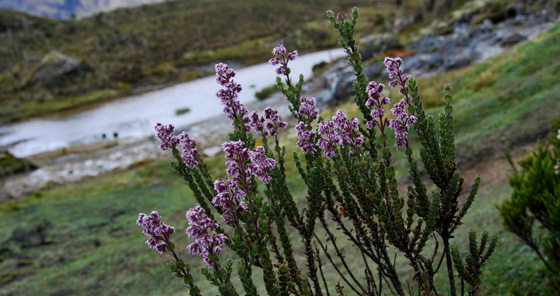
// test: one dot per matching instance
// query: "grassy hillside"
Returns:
(64, 9)
(111, 54)
(81, 239)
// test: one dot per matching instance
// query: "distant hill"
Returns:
(48, 65)
(65, 9)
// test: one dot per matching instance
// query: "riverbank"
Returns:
(87, 162)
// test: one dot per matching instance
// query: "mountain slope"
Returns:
(64, 9)
(134, 48)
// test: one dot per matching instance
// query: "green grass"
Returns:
(35, 108)
(94, 246)
(266, 92)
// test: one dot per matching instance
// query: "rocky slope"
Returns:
(468, 37)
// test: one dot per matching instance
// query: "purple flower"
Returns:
(260, 164)
(308, 107)
(282, 58)
(281, 70)
(306, 138)
(279, 50)
(396, 73)
(557, 168)
(157, 231)
(237, 166)
(401, 124)
(292, 55)
(375, 104)
(236, 154)
(339, 131)
(255, 121)
(232, 107)
(202, 229)
(327, 146)
(274, 61)
(189, 153)
(558, 134)
(271, 114)
(229, 198)
(273, 121)
(166, 136)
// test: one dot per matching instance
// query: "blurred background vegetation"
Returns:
(49, 65)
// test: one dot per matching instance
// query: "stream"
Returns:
(134, 117)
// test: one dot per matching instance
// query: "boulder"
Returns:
(422, 64)
(10, 165)
(512, 39)
(376, 44)
(55, 65)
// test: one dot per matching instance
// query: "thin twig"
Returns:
(321, 270)
(336, 267)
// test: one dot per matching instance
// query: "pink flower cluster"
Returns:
(241, 163)
(169, 140)
(308, 108)
(202, 229)
(401, 124)
(189, 153)
(260, 164)
(268, 124)
(166, 136)
(281, 57)
(157, 231)
(396, 73)
(339, 131)
(309, 112)
(230, 199)
(233, 108)
(236, 155)
(306, 137)
(375, 104)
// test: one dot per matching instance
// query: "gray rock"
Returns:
(512, 39)
(344, 87)
(429, 43)
(423, 63)
(376, 44)
(375, 71)
(459, 58)
(325, 96)
(57, 65)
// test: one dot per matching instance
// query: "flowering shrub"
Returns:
(535, 203)
(352, 193)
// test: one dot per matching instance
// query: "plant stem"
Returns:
(447, 252)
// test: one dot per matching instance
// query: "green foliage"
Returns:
(478, 255)
(182, 110)
(535, 203)
(266, 92)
